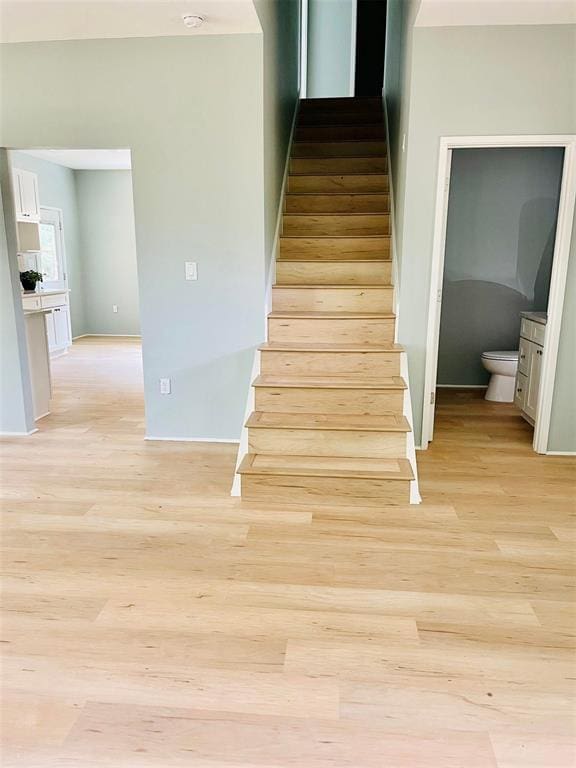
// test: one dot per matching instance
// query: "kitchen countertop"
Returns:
(45, 293)
(37, 311)
(537, 317)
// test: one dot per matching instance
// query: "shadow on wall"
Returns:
(476, 316)
(536, 238)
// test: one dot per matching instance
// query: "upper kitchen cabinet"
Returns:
(26, 198)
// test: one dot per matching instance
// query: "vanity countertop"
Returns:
(537, 317)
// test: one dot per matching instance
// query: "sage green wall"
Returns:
(400, 15)
(280, 21)
(108, 248)
(473, 81)
(16, 407)
(190, 109)
(57, 189)
(329, 47)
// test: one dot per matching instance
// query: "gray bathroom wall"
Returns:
(500, 237)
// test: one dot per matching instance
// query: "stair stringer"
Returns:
(236, 489)
(415, 497)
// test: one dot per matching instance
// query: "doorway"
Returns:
(84, 312)
(370, 44)
(526, 273)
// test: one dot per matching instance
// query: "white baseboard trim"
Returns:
(153, 438)
(560, 453)
(19, 434)
(461, 386)
(109, 335)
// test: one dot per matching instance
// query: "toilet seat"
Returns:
(501, 355)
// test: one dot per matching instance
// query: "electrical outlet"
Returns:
(165, 386)
(191, 270)
(114, 307)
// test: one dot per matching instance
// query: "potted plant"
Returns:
(29, 280)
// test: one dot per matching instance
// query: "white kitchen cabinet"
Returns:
(57, 318)
(26, 198)
(532, 335)
(61, 327)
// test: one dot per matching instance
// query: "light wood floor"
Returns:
(151, 620)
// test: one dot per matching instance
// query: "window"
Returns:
(51, 261)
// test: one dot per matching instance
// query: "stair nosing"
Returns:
(332, 237)
(345, 287)
(331, 261)
(336, 213)
(402, 427)
(294, 346)
(316, 382)
(406, 473)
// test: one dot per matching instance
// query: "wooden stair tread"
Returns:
(305, 259)
(324, 286)
(328, 421)
(329, 382)
(336, 214)
(333, 237)
(332, 315)
(279, 346)
(318, 466)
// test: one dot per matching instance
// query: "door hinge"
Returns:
(432, 397)
(439, 295)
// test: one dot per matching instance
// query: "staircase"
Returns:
(328, 425)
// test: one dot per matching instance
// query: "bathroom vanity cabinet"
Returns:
(532, 338)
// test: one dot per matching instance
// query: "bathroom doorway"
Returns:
(502, 236)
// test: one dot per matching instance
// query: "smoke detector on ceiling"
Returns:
(192, 21)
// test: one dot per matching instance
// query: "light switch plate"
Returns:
(191, 270)
(165, 386)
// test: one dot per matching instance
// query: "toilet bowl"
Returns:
(503, 367)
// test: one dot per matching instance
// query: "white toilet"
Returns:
(503, 367)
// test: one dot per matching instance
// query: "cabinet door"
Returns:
(26, 194)
(520, 391)
(534, 370)
(61, 327)
(524, 355)
(50, 330)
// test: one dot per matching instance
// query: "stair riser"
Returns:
(341, 102)
(332, 203)
(333, 273)
(341, 133)
(336, 331)
(332, 299)
(337, 165)
(339, 149)
(339, 183)
(325, 490)
(353, 401)
(361, 364)
(335, 247)
(319, 442)
(334, 225)
(332, 117)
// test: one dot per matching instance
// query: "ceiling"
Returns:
(461, 13)
(36, 20)
(85, 159)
